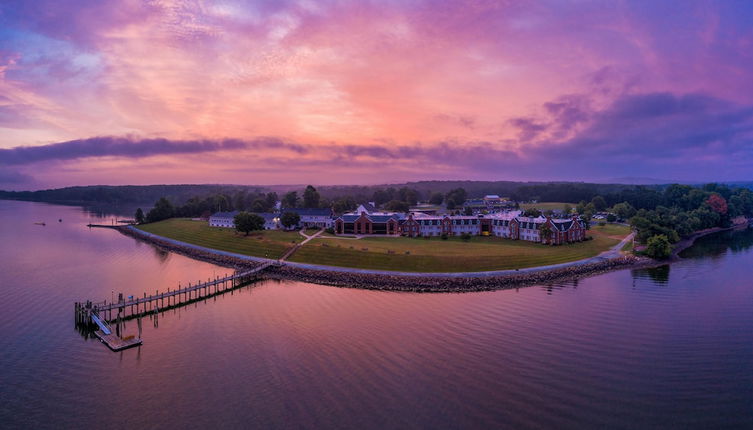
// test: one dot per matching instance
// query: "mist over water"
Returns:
(665, 347)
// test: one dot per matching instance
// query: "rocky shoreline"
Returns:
(397, 282)
(436, 284)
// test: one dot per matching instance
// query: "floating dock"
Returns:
(116, 343)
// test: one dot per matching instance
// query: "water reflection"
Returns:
(596, 352)
(161, 254)
(717, 245)
(658, 275)
(563, 285)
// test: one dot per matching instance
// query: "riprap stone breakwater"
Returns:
(397, 281)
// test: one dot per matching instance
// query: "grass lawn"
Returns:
(555, 206)
(610, 230)
(392, 253)
(452, 255)
(272, 243)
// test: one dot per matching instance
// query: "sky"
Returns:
(372, 92)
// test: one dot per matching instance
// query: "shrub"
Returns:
(465, 237)
(602, 223)
(330, 230)
(444, 236)
(658, 247)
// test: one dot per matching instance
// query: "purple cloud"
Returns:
(130, 147)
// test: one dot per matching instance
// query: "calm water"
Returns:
(668, 347)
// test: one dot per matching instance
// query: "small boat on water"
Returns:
(39, 223)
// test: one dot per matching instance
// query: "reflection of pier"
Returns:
(99, 316)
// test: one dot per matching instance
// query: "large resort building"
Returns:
(505, 224)
(367, 220)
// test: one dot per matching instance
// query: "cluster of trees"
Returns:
(242, 200)
(686, 209)
(396, 199)
(456, 197)
(313, 199)
(196, 206)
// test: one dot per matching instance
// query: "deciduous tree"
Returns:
(139, 216)
(290, 219)
(658, 247)
(311, 197)
(247, 222)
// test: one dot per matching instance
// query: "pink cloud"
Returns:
(367, 84)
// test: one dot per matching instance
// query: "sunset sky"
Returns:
(344, 92)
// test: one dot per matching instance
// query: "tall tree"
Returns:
(397, 206)
(344, 204)
(456, 196)
(436, 198)
(658, 247)
(717, 203)
(624, 210)
(247, 222)
(139, 216)
(290, 219)
(599, 203)
(290, 200)
(162, 209)
(310, 197)
(271, 200)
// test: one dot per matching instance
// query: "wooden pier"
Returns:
(99, 315)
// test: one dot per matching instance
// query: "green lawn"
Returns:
(452, 255)
(610, 230)
(392, 253)
(555, 206)
(271, 243)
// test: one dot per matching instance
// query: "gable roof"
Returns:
(309, 211)
(369, 207)
(224, 215)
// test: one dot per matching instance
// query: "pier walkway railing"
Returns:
(128, 308)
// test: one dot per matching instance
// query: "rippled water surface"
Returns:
(666, 347)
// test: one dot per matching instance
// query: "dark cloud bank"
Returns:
(692, 136)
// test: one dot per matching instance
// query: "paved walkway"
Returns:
(292, 250)
(613, 252)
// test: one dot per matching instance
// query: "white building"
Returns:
(313, 218)
(227, 219)
(223, 219)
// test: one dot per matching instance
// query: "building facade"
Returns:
(313, 218)
(227, 219)
(506, 224)
(223, 219)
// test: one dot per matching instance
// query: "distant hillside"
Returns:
(123, 194)
(179, 194)
(146, 195)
